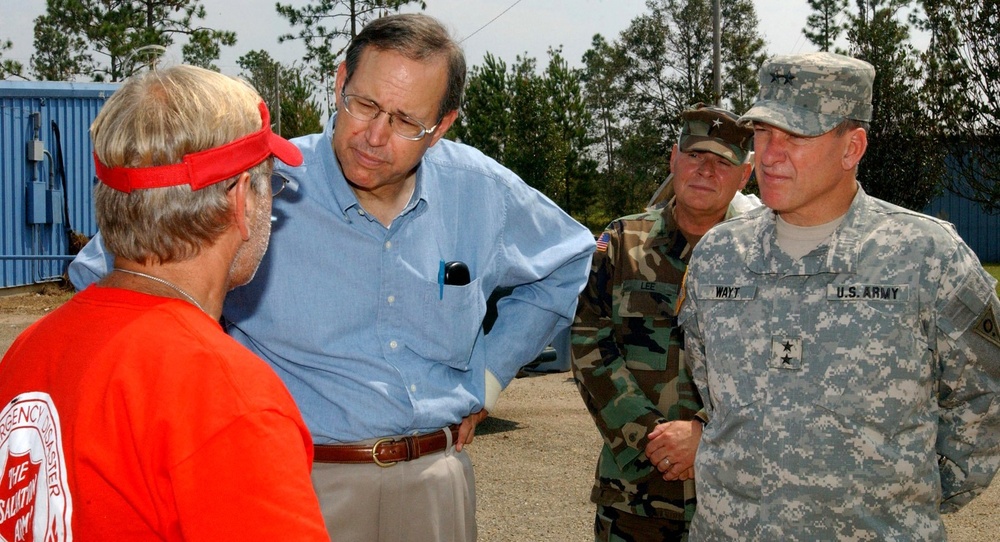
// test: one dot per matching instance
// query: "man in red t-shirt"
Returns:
(128, 414)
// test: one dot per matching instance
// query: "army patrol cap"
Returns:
(810, 94)
(715, 130)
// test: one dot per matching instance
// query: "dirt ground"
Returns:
(534, 456)
(19, 311)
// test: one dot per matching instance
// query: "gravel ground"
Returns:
(534, 456)
(535, 460)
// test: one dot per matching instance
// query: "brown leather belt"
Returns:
(385, 452)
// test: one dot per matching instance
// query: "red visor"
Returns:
(204, 168)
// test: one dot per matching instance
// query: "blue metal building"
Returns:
(46, 175)
(979, 230)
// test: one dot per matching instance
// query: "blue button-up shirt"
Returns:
(352, 315)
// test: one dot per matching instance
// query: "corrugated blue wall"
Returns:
(980, 231)
(34, 227)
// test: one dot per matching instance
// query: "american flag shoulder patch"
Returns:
(602, 242)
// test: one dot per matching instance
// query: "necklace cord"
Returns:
(165, 283)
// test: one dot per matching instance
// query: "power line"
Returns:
(490, 21)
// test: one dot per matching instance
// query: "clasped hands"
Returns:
(672, 447)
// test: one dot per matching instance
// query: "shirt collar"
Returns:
(666, 233)
(342, 192)
(839, 255)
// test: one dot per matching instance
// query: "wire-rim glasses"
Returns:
(368, 110)
(278, 183)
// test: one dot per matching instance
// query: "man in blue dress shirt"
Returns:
(356, 306)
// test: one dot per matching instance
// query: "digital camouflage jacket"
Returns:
(853, 394)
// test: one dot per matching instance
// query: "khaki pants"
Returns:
(430, 499)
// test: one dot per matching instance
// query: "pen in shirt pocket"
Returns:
(441, 280)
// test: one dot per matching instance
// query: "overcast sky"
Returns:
(521, 26)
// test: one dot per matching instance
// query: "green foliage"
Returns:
(994, 269)
(287, 91)
(668, 55)
(533, 142)
(73, 34)
(485, 120)
(824, 26)
(903, 164)
(9, 68)
(605, 96)
(59, 55)
(563, 86)
(326, 27)
(962, 92)
(637, 86)
(534, 124)
(648, 163)
(300, 114)
(742, 54)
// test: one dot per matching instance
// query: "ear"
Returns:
(854, 149)
(747, 170)
(238, 198)
(447, 120)
(673, 157)
(341, 81)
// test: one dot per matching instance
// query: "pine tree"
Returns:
(904, 164)
(962, 92)
(824, 26)
(9, 68)
(108, 41)
(326, 28)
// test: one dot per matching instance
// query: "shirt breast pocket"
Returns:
(642, 299)
(446, 323)
(649, 322)
(736, 338)
(872, 330)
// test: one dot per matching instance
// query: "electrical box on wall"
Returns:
(36, 199)
(54, 207)
(46, 167)
(36, 151)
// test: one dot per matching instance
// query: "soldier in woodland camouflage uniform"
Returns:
(846, 349)
(627, 356)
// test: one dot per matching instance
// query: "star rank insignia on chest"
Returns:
(786, 353)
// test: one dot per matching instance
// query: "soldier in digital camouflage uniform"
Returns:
(627, 357)
(846, 349)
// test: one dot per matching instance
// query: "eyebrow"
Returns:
(408, 116)
(397, 112)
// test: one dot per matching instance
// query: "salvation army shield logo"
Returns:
(35, 504)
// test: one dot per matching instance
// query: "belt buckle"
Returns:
(375, 458)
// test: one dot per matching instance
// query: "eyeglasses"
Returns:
(278, 183)
(367, 110)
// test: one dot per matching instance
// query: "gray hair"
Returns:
(155, 119)
(417, 37)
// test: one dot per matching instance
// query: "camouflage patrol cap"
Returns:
(715, 130)
(810, 94)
